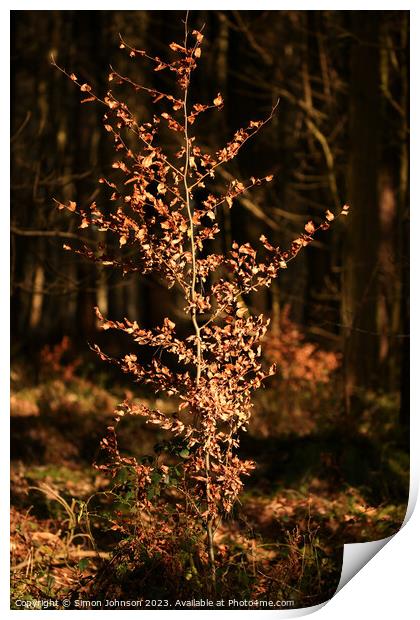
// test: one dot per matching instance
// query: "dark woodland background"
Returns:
(340, 135)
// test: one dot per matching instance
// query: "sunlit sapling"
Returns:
(166, 214)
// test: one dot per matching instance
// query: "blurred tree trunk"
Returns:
(360, 269)
(404, 226)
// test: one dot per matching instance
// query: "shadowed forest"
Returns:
(136, 501)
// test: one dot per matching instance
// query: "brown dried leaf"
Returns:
(198, 35)
(309, 227)
(177, 48)
(241, 312)
(148, 160)
(218, 101)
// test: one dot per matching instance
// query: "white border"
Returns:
(387, 586)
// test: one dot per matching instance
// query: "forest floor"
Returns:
(308, 496)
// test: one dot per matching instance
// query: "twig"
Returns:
(64, 556)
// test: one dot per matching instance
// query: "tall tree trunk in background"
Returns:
(37, 297)
(85, 155)
(360, 269)
(388, 310)
(393, 205)
(404, 215)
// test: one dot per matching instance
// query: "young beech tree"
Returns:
(163, 211)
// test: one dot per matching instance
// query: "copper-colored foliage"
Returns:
(164, 227)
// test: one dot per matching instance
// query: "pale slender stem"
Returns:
(209, 522)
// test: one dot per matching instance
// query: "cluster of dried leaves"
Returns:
(165, 216)
(299, 362)
(52, 362)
